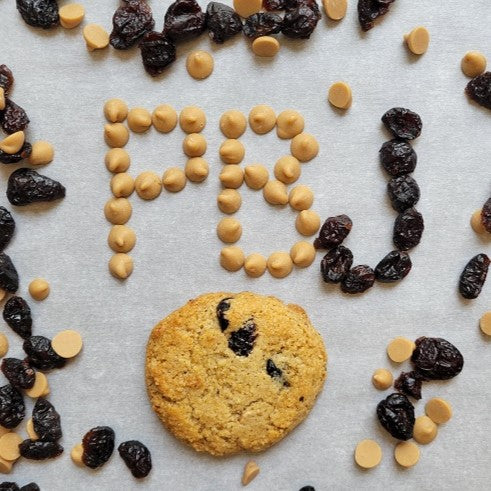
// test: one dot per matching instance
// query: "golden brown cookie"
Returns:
(234, 372)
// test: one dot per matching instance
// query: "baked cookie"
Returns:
(234, 372)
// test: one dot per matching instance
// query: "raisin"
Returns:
(307, 488)
(336, 264)
(479, 89)
(32, 486)
(6, 78)
(272, 370)
(274, 4)
(137, 458)
(222, 21)
(486, 215)
(369, 10)
(300, 22)
(13, 158)
(409, 383)
(408, 229)
(7, 227)
(98, 445)
(222, 307)
(398, 157)
(393, 267)
(26, 186)
(403, 123)
(184, 19)
(403, 192)
(40, 353)
(46, 421)
(333, 232)
(18, 372)
(39, 13)
(396, 415)
(157, 52)
(12, 408)
(242, 341)
(9, 279)
(13, 118)
(262, 24)
(39, 450)
(130, 22)
(358, 280)
(437, 359)
(9, 486)
(473, 277)
(17, 315)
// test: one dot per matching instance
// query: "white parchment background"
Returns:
(63, 88)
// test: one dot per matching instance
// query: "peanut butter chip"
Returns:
(232, 151)
(197, 169)
(485, 323)
(67, 344)
(368, 454)
(5, 466)
(255, 265)
(275, 193)
(40, 387)
(340, 95)
(3, 430)
(2, 99)
(304, 147)
(174, 179)
(232, 176)
(308, 222)
(425, 430)
(122, 185)
(473, 63)
(194, 145)
(9, 446)
(287, 169)
(77, 453)
(476, 222)
(115, 110)
(280, 264)
(71, 15)
(302, 254)
(118, 211)
(229, 201)
(406, 454)
(251, 469)
(265, 46)
(42, 153)
(164, 118)
(229, 230)
(4, 345)
(438, 410)
(301, 198)
(3, 294)
(289, 124)
(233, 124)
(95, 37)
(139, 120)
(231, 258)
(121, 266)
(192, 119)
(13, 143)
(117, 160)
(418, 40)
(335, 9)
(382, 379)
(262, 119)
(30, 430)
(200, 64)
(121, 239)
(116, 135)
(256, 176)
(400, 349)
(39, 289)
(245, 8)
(148, 185)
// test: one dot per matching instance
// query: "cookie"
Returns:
(234, 372)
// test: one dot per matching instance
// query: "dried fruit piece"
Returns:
(393, 267)
(437, 359)
(479, 89)
(9, 279)
(272, 370)
(403, 123)
(9, 486)
(130, 22)
(486, 215)
(6, 78)
(17, 315)
(39, 13)
(26, 186)
(408, 229)
(262, 24)
(157, 52)
(410, 383)
(7, 227)
(13, 158)
(398, 157)
(403, 192)
(222, 307)
(46, 421)
(12, 408)
(39, 450)
(369, 10)
(396, 415)
(242, 341)
(222, 21)
(473, 277)
(18, 373)
(359, 279)
(98, 444)
(40, 353)
(274, 4)
(137, 458)
(336, 264)
(13, 118)
(184, 19)
(300, 20)
(333, 232)
(32, 486)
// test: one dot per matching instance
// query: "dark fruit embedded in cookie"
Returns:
(393, 267)
(98, 445)
(474, 276)
(137, 458)
(479, 89)
(13, 118)
(222, 21)
(39, 450)
(396, 415)
(39, 13)
(9, 279)
(222, 307)
(333, 232)
(157, 52)
(17, 314)
(486, 215)
(241, 342)
(403, 123)
(398, 157)
(18, 372)
(46, 421)
(40, 353)
(408, 229)
(7, 227)
(12, 408)
(184, 19)
(410, 383)
(272, 370)
(14, 158)
(403, 192)
(358, 280)
(336, 264)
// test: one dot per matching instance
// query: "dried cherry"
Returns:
(9, 279)
(26, 186)
(9, 486)
(299, 22)
(398, 157)
(157, 52)
(274, 4)
(17, 314)
(393, 267)
(473, 277)
(41, 354)
(272, 370)
(336, 264)
(32, 486)
(333, 232)
(486, 215)
(98, 445)
(13, 118)
(18, 372)
(14, 158)
(12, 408)
(369, 10)
(479, 89)
(242, 341)
(408, 229)
(39, 450)
(184, 19)
(46, 421)
(358, 280)
(403, 123)
(222, 307)
(6, 78)
(409, 383)
(222, 21)
(137, 458)
(437, 359)
(403, 192)
(7, 227)
(396, 415)
(39, 13)
(262, 24)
